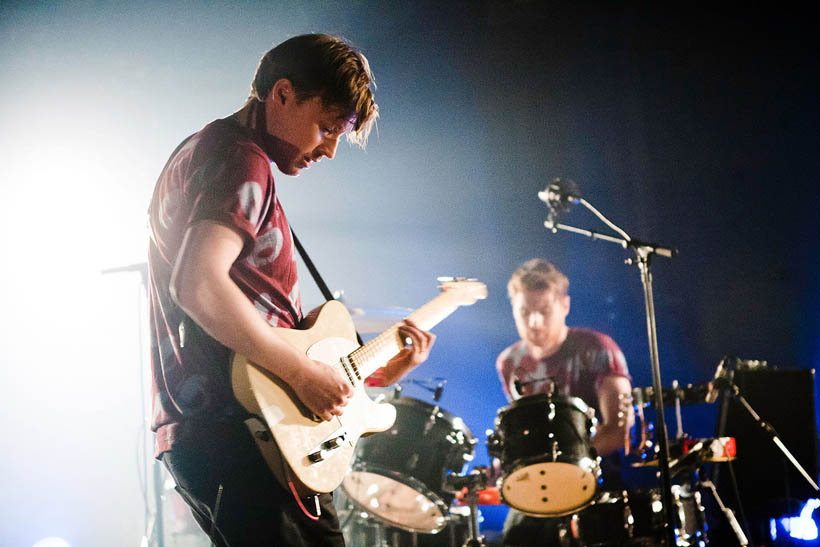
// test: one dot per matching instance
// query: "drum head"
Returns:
(397, 476)
(550, 489)
(388, 496)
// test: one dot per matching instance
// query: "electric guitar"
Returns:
(311, 454)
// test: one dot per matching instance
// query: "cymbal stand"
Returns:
(558, 196)
(730, 515)
(474, 481)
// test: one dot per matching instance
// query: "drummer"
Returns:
(571, 361)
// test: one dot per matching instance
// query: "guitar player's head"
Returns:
(315, 88)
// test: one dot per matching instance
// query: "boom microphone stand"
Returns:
(558, 196)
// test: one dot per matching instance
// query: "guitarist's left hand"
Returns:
(411, 356)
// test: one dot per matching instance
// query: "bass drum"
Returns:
(636, 518)
(398, 475)
(543, 442)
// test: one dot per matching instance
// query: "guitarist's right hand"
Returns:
(323, 389)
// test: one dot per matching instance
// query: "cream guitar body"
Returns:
(315, 455)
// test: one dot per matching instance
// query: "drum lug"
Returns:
(555, 451)
(493, 444)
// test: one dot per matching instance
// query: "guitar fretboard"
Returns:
(374, 354)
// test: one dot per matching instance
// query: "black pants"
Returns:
(235, 498)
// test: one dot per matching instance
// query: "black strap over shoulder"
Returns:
(316, 276)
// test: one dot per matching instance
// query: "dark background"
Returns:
(696, 128)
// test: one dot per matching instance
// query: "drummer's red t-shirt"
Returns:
(577, 368)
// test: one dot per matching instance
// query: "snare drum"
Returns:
(398, 476)
(543, 443)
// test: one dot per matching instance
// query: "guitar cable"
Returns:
(295, 494)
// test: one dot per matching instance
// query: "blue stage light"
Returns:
(802, 527)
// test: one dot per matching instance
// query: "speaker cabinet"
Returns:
(766, 480)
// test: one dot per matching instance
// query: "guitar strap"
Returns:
(316, 276)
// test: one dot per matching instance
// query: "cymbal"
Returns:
(375, 320)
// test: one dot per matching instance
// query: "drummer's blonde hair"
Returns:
(537, 275)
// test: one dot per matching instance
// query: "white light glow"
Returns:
(52, 542)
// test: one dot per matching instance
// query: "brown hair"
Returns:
(320, 65)
(537, 275)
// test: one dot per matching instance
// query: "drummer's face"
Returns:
(540, 317)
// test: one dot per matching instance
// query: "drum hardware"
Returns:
(519, 385)
(437, 390)
(549, 466)
(470, 485)
(555, 451)
(686, 395)
(730, 515)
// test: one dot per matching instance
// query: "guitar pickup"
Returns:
(325, 448)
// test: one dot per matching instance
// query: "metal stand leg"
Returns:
(730, 515)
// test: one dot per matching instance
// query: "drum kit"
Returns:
(409, 487)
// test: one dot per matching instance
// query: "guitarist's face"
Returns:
(306, 130)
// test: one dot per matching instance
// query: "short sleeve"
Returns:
(612, 360)
(234, 190)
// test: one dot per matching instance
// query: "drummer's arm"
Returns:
(616, 414)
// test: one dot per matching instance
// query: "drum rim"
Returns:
(451, 418)
(410, 482)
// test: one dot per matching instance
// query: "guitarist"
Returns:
(223, 272)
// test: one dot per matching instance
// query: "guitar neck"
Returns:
(376, 353)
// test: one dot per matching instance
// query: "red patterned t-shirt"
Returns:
(221, 174)
(577, 368)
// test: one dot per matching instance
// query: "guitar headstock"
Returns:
(465, 290)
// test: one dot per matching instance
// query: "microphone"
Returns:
(560, 194)
(718, 382)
